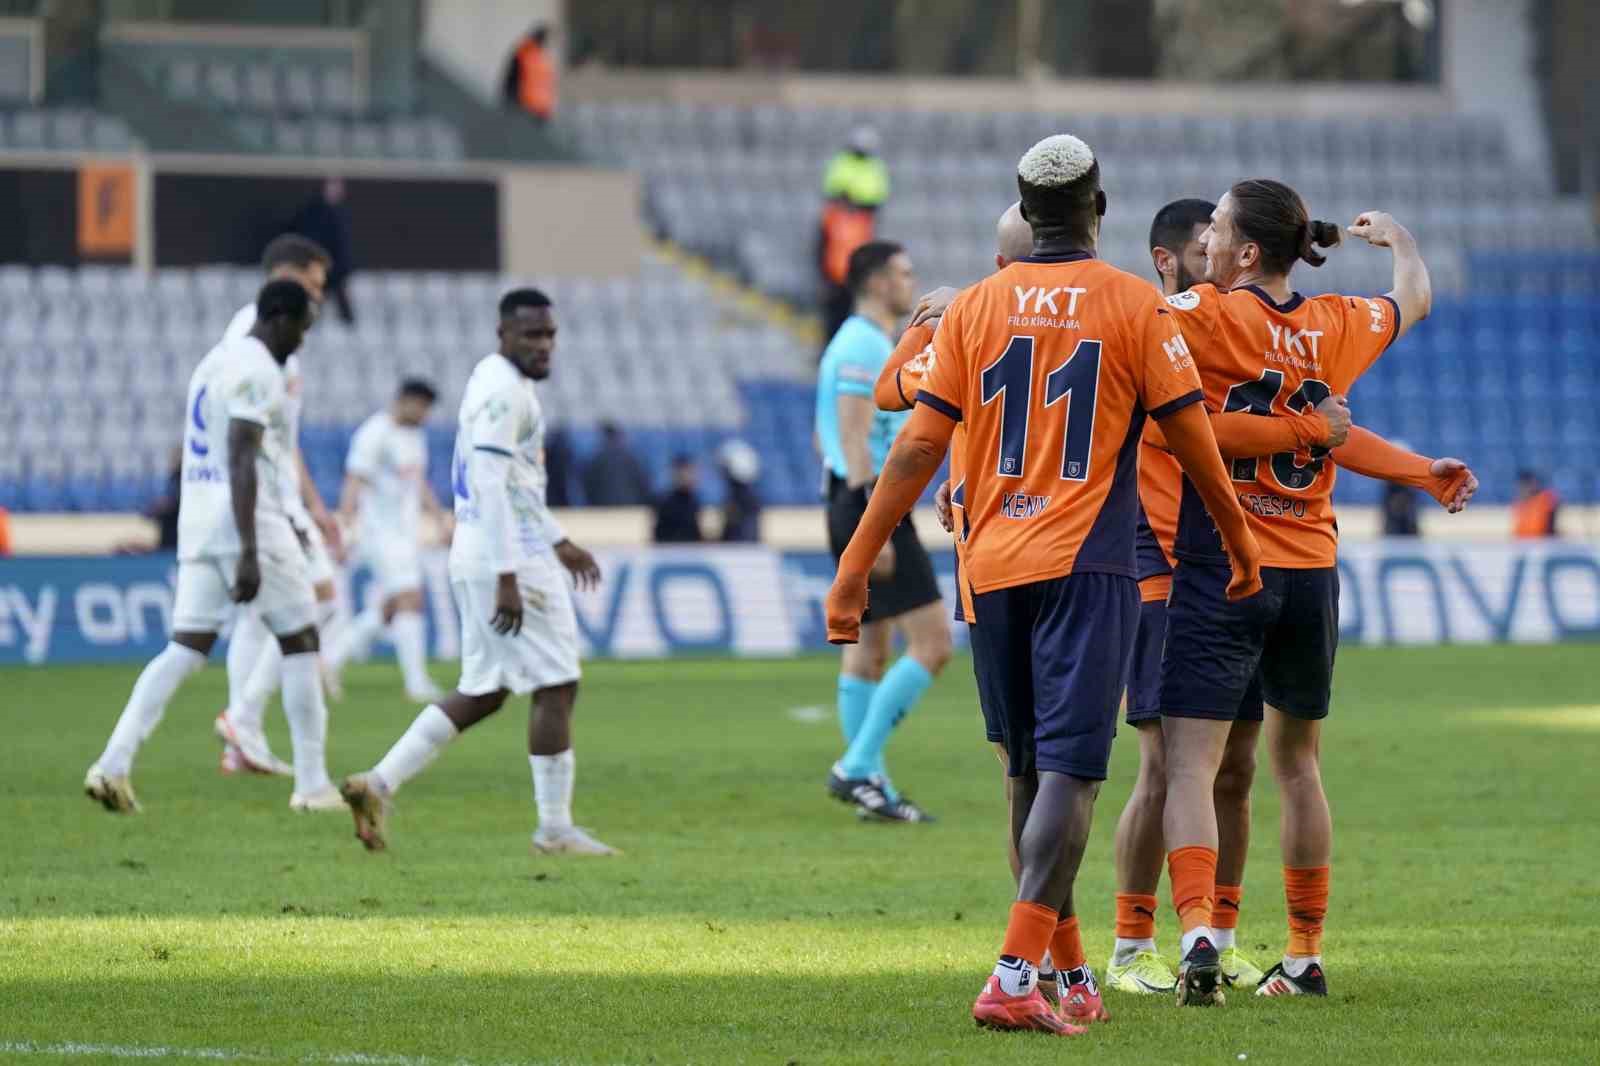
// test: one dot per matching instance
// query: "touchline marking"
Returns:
(77, 1049)
(810, 714)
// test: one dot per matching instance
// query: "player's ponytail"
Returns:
(1322, 235)
(1272, 216)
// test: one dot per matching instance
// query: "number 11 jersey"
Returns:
(1052, 365)
(1267, 358)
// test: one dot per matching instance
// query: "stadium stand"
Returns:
(97, 360)
(63, 129)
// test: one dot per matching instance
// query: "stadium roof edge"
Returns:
(1002, 94)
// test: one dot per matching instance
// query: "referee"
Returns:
(855, 438)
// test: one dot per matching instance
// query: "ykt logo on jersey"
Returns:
(1295, 347)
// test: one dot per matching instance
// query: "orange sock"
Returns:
(1225, 909)
(1029, 930)
(1305, 888)
(1136, 916)
(1193, 872)
(1066, 946)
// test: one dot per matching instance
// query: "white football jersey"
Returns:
(393, 460)
(236, 379)
(500, 413)
(243, 321)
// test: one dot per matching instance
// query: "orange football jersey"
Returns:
(1266, 358)
(1051, 365)
(897, 390)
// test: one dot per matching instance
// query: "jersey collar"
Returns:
(1058, 257)
(1294, 300)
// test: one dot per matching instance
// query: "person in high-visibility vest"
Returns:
(1533, 512)
(531, 76)
(854, 186)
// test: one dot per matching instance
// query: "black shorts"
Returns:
(912, 584)
(1224, 660)
(1051, 659)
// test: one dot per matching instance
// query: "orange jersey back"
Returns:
(1051, 364)
(1266, 358)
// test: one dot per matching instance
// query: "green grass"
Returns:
(752, 920)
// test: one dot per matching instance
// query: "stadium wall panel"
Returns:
(757, 602)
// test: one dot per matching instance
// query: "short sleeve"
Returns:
(365, 451)
(943, 381)
(1163, 364)
(1370, 325)
(498, 425)
(256, 394)
(859, 365)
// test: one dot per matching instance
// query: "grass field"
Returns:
(752, 920)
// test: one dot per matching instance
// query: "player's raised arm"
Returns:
(895, 391)
(1413, 290)
(1449, 481)
(912, 463)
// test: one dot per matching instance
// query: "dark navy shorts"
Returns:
(1051, 660)
(912, 584)
(1144, 674)
(1224, 660)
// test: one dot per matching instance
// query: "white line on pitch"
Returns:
(78, 1049)
(810, 714)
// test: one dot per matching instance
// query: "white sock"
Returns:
(1222, 938)
(249, 639)
(418, 746)
(1017, 978)
(146, 704)
(249, 711)
(1296, 965)
(1191, 936)
(308, 722)
(357, 638)
(410, 647)
(552, 788)
(1125, 950)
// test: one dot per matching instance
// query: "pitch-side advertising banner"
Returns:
(759, 602)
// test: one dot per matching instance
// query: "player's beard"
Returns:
(1186, 280)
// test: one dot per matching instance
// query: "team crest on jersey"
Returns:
(1187, 300)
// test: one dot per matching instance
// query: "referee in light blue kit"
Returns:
(855, 438)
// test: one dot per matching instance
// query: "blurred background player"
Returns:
(855, 438)
(855, 187)
(1052, 364)
(253, 656)
(236, 545)
(677, 511)
(1533, 512)
(1263, 348)
(509, 569)
(385, 493)
(741, 509)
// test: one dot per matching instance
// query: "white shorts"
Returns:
(204, 601)
(543, 655)
(396, 566)
(319, 564)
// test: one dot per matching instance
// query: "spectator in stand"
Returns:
(854, 187)
(1533, 512)
(532, 80)
(325, 219)
(613, 477)
(1400, 511)
(741, 512)
(678, 511)
(163, 511)
(558, 468)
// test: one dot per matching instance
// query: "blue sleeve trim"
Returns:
(1172, 407)
(944, 407)
(1394, 334)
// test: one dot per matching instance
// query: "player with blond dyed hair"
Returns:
(1052, 366)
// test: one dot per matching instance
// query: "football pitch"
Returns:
(752, 919)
